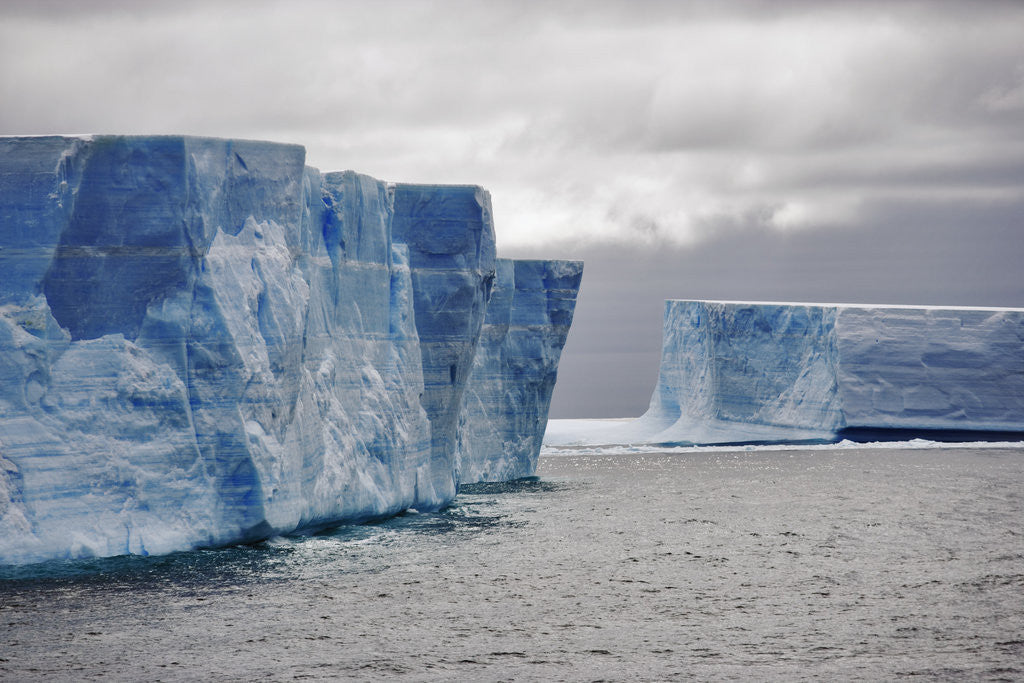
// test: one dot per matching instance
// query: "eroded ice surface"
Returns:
(740, 372)
(505, 407)
(204, 341)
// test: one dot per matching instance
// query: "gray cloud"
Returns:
(948, 253)
(734, 150)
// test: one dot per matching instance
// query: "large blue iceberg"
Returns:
(205, 341)
(742, 372)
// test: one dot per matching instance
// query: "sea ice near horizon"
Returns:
(612, 436)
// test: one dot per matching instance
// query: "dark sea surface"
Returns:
(761, 564)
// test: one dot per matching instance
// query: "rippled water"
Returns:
(785, 565)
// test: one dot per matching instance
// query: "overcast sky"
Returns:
(844, 151)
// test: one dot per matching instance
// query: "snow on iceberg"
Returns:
(742, 372)
(205, 341)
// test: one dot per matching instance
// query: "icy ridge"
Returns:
(204, 341)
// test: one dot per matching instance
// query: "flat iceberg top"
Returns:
(142, 136)
(909, 307)
(95, 137)
(435, 186)
(77, 136)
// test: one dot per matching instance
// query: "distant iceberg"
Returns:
(205, 341)
(745, 372)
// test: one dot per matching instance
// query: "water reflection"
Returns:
(210, 567)
(478, 509)
(526, 485)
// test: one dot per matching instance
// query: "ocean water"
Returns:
(717, 564)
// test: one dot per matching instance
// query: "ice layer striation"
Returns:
(205, 341)
(739, 372)
(505, 407)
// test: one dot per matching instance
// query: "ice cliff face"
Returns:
(505, 408)
(739, 372)
(451, 246)
(205, 341)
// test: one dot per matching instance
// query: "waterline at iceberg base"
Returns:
(205, 341)
(736, 372)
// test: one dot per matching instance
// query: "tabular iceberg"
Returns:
(205, 341)
(740, 372)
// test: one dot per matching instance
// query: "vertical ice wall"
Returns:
(86, 374)
(450, 235)
(931, 367)
(205, 341)
(505, 407)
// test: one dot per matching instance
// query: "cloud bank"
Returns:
(860, 151)
(590, 122)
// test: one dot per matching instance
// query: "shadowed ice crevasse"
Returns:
(205, 341)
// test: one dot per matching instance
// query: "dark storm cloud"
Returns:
(947, 253)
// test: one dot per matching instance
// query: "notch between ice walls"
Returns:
(205, 341)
